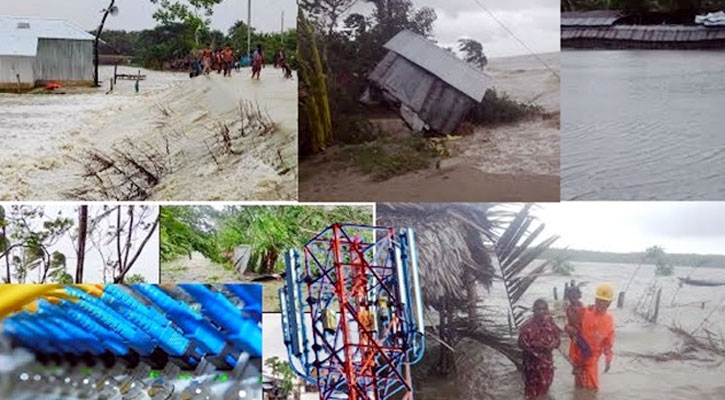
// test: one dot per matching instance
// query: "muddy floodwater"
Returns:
(643, 125)
(33, 124)
(633, 375)
(484, 374)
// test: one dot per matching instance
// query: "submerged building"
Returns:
(433, 89)
(616, 30)
(34, 51)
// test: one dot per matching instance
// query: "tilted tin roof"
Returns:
(441, 63)
(19, 35)
(590, 18)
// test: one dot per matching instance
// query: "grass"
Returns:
(389, 156)
(498, 109)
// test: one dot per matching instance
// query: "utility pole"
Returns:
(281, 32)
(249, 28)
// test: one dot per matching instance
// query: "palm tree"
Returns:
(464, 248)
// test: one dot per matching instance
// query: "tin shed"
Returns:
(37, 50)
(434, 89)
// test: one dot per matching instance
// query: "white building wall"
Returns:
(64, 60)
(12, 66)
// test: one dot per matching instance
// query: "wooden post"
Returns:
(115, 73)
(657, 306)
(556, 294)
(620, 300)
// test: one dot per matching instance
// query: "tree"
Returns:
(5, 244)
(314, 101)
(81, 242)
(119, 235)
(327, 12)
(473, 52)
(125, 234)
(192, 13)
(28, 236)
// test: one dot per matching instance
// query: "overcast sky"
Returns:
(535, 22)
(137, 14)
(679, 227)
(147, 264)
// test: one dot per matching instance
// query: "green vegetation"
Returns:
(683, 260)
(284, 375)
(501, 109)
(32, 248)
(564, 268)
(387, 157)
(338, 56)
(269, 230)
(657, 256)
(184, 27)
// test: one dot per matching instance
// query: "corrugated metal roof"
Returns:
(439, 62)
(648, 33)
(590, 18)
(19, 35)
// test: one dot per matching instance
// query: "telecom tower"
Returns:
(355, 290)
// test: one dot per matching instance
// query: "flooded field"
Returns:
(634, 375)
(641, 124)
(46, 147)
(483, 373)
(34, 124)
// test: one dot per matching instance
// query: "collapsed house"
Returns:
(431, 87)
(34, 51)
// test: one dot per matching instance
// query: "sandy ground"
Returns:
(198, 268)
(507, 163)
(172, 113)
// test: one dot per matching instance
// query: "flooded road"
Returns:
(643, 125)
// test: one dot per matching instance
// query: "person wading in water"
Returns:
(257, 62)
(538, 337)
(597, 330)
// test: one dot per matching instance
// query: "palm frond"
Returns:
(515, 252)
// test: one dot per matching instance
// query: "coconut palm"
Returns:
(464, 248)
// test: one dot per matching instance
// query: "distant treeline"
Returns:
(685, 260)
(161, 46)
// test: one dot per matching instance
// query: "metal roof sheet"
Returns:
(590, 18)
(19, 35)
(441, 63)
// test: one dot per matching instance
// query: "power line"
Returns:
(513, 35)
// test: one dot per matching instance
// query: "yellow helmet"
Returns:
(605, 291)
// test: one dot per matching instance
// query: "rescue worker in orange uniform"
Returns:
(597, 329)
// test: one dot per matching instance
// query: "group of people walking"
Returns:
(220, 60)
(206, 61)
(591, 333)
